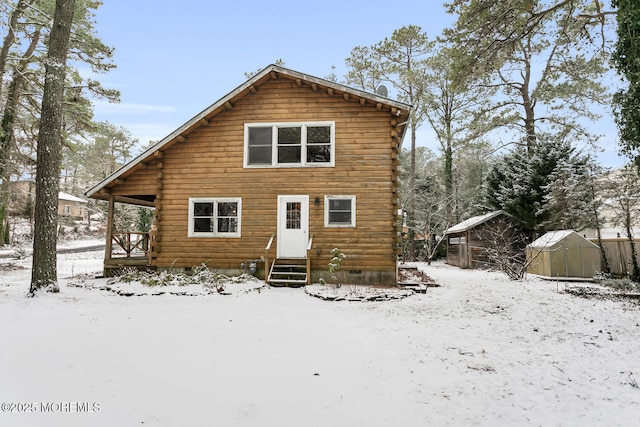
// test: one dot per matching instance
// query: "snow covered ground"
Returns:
(478, 351)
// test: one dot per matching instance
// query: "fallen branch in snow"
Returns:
(484, 368)
(632, 381)
(462, 353)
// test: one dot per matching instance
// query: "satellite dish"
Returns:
(382, 91)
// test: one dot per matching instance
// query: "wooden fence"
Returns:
(618, 252)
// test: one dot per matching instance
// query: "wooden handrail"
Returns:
(267, 249)
(309, 245)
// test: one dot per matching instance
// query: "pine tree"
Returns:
(544, 58)
(401, 61)
(44, 272)
(568, 198)
(523, 185)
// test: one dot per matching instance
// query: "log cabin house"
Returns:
(271, 177)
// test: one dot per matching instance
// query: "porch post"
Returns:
(109, 242)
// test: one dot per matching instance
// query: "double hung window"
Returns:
(340, 211)
(309, 144)
(214, 217)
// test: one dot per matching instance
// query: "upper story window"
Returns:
(214, 217)
(310, 144)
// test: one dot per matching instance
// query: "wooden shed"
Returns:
(564, 255)
(274, 175)
(467, 240)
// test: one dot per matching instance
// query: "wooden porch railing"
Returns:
(131, 242)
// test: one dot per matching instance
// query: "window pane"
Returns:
(319, 135)
(227, 225)
(293, 215)
(341, 211)
(340, 204)
(259, 136)
(340, 217)
(227, 209)
(260, 155)
(289, 135)
(289, 154)
(203, 209)
(202, 225)
(318, 154)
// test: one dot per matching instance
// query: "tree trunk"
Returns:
(411, 215)
(44, 271)
(635, 270)
(10, 37)
(7, 130)
(528, 103)
(448, 181)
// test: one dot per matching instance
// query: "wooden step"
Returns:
(288, 272)
(288, 283)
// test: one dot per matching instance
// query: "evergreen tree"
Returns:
(144, 219)
(456, 110)
(627, 60)
(44, 272)
(471, 165)
(543, 58)
(568, 198)
(25, 44)
(523, 185)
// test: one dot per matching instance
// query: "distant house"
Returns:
(466, 241)
(273, 176)
(72, 207)
(563, 254)
(22, 197)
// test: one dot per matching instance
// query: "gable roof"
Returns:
(397, 108)
(472, 222)
(552, 238)
(70, 198)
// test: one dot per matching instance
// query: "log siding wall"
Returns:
(208, 162)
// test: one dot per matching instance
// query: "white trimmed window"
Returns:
(309, 144)
(215, 217)
(339, 211)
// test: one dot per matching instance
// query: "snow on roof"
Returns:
(472, 222)
(552, 237)
(70, 198)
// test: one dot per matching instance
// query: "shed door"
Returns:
(293, 226)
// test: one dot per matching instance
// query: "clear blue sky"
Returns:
(175, 58)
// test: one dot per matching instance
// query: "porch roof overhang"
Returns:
(398, 110)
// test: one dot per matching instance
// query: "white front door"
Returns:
(293, 226)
